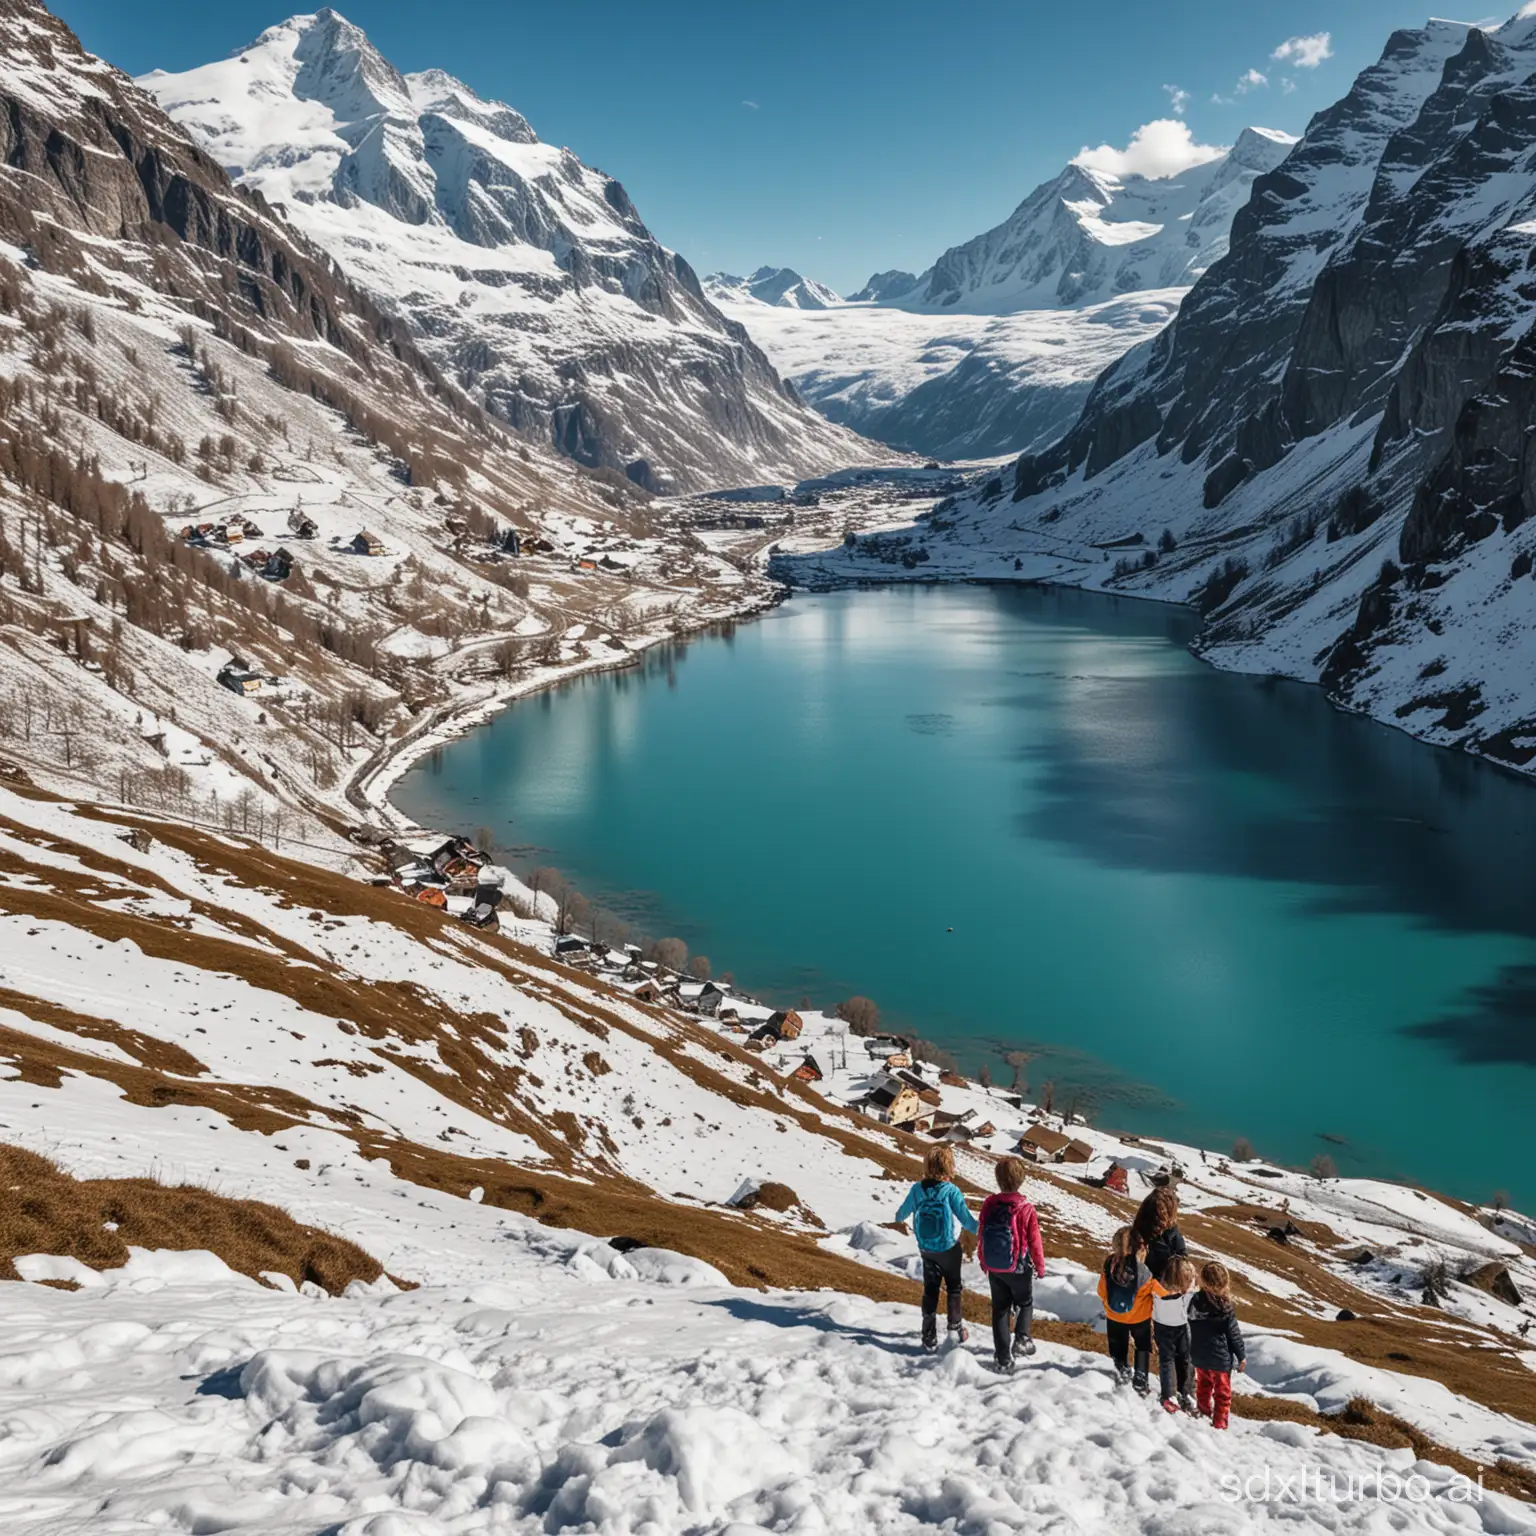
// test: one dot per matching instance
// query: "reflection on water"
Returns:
(1023, 818)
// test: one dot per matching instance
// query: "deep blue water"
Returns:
(1216, 906)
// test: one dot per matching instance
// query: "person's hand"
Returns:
(1242, 1367)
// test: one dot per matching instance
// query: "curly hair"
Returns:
(1158, 1212)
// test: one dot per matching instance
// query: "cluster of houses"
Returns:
(450, 874)
(225, 534)
(900, 1093)
(897, 1090)
(232, 533)
(240, 677)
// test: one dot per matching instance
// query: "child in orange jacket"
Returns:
(1127, 1289)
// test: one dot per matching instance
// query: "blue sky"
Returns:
(838, 137)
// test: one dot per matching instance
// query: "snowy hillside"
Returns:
(528, 276)
(1327, 451)
(994, 348)
(607, 1333)
(781, 286)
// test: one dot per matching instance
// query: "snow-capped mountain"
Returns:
(527, 275)
(1328, 450)
(995, 346)
(1089, 235)
(782, 286)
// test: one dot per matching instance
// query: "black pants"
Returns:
(1122, 1336)
(1174, 1370)
(940, 1268)
(1011, 1294)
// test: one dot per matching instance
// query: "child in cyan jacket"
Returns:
(1126, 1289)
(1215, 1343)
(1170, 1332)
(1009, 1249)
(935, 1205)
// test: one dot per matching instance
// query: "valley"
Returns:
(383, 506)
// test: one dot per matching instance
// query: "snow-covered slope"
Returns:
(993, 349)
(601, 1340)
(782, 286)
(1328, 450)
(527, 275)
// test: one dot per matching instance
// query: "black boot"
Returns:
(1140, 1380)
(1024, 1323)
(930, 1331)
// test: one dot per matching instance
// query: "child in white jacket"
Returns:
(1170, 1332)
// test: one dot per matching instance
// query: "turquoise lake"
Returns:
(1213, 905)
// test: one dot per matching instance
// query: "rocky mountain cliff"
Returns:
(995, 346)
(528, 276)
(1328, 450)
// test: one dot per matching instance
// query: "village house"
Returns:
(646, 991)
(1043, 1145)
(570, 947)
(710, 998)
(302, 526)
(482, 915)
(366, 543)
(511, 542)
(809, 1071)
(786, 1024)
(239, 678)
(892, 1101)
(279, 566)
(927, 1093)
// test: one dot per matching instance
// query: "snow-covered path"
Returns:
(565, 1387)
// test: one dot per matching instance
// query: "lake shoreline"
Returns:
(652, 889)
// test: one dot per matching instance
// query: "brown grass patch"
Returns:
(44, 1210)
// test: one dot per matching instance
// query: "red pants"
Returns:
(1213, 1395)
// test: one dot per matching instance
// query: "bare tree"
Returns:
(543, 881)
(1323, 1167)
(698, 967)
(984, 1077)
(860, 1014)
(1242, 1150)
(934, 1055)
(1019, 1061)
(672, 954)
(574, 910)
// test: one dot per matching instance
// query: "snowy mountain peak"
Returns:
(781, 286)
(435, 90)
(1094, 232)
(529, 275)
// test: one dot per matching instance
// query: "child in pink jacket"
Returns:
(1009, 1249)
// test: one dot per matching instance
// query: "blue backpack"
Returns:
(1120, 1293)
(930, 1220)
(998, 1246)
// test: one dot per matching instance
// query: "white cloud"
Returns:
(1164, 147)
(1287, 86)
(1178, 97)
(752, 106)
(1305, 52)
(1252, 80)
